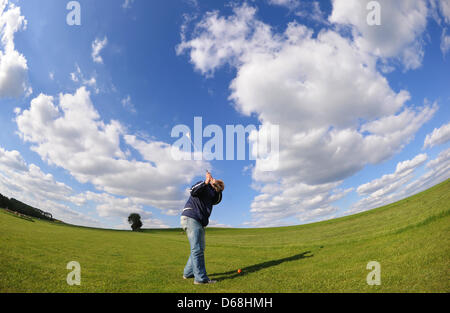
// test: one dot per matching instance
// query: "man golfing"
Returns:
(194, 219)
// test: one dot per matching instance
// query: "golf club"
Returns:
(195, 147)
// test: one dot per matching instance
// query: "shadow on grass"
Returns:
(259, 266)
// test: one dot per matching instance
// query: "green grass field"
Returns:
(410, 239)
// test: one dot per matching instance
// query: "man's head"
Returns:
(218, 185)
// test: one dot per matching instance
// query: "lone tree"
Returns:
(135, 220)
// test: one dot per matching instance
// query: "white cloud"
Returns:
(336, 111)
(403, 182)
(110, 206)
(440, 11)
(445, 42)
(97, 47)
(279, 202)
(12, 159)
(127, 4)
(127, 104)
(438, 171)
(445, 9)
(147, 223)
(13, 65)
(71, 135)
(305, 9)
(214, 223)
(291, 4)
(223, 40)
(27, 183)
(78, 77)
(399, 36)
(387, 183)
(153, 223)
(74, 77)
(441, 8)
(439, 136)
(311, 10)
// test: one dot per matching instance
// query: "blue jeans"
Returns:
(195, 266)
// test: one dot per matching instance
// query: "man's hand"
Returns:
(209, 178)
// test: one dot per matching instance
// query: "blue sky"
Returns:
(87, 111)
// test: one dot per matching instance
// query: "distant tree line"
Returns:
(22, 208)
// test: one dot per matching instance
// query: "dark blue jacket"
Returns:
(200, 203)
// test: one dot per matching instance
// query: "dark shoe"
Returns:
(184, 277)
(205, 282)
